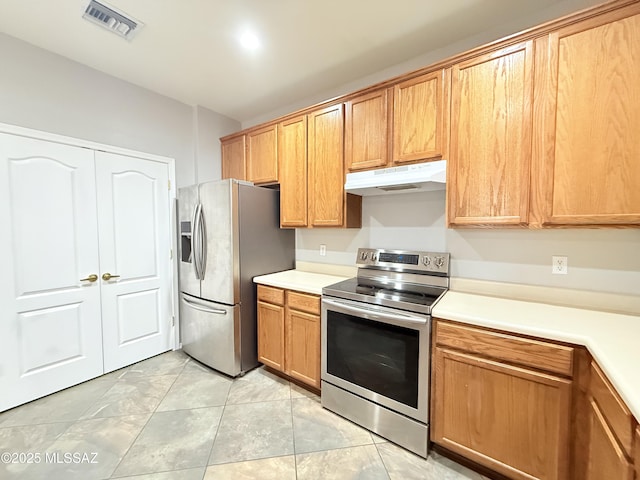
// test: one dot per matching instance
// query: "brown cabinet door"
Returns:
(490, 152)
(636, 454)
(510, 419)
(271, 335)
(588, 99)
(366, 125)
(419, 118)
(303, 347)
(233, 158)
(606, 458)
(262, 155)
(326, 167)
(292, 160)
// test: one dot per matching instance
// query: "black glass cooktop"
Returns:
(417, 299)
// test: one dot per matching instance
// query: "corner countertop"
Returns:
(611, 338)
(302, 281)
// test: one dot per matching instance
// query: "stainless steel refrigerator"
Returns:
(229, 233)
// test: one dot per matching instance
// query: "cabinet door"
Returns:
(233, 158)
(262, 155)
(271, 335)
(303, 347)
(419, 117)
(366, 125)
(636, 454)
(134, 226)
(292, 160)
(326, 167)
(490, 153)
(606, 458)
(590, 109)
(512, 420)
(50, 321)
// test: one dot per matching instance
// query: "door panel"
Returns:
(220, 282)
(210, 333)
(134, 226)
(50, 329)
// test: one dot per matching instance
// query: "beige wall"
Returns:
(561, 8)
(45, 91)
(599, 259)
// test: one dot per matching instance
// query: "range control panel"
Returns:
(403, 260)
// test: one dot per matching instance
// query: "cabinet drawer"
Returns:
(510, 348)
(613, 409)
(271, 294)
(303, 302)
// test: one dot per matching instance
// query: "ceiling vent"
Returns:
(113, 20)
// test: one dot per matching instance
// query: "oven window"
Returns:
(376, 356)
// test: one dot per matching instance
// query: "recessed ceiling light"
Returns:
(249, 40)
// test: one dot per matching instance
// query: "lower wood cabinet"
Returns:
(271, 335)
(497, 409)
(636, 454)
(611, 431)
(289, 333)
(606, 459)
(528, 408)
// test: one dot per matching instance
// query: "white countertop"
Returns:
(612, 339)
(308, 282)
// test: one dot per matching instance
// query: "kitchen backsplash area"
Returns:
(605, 260)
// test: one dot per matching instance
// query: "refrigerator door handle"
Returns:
(194, 241)
(217, 311)
(202, 244)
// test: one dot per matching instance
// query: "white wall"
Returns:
(209, 126)
(599, 259)
(44, 91)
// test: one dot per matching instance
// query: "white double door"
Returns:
(70, 217)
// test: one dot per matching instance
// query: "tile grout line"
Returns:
(148, 419)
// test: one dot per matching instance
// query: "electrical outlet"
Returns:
(559, 265)
(323, 250)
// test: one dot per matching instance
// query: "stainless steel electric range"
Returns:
(376, 343)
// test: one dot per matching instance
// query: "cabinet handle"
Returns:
(91, 278)
(107, 276)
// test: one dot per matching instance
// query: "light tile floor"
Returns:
(170, 418)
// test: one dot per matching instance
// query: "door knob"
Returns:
(91, 278)
(107, 276)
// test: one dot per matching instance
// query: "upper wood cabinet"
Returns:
(292, 163)
(588, 115)
(329, 205)
(490, 151)
(234, 157)
(366, 131)
(262, 155)
(420, 118)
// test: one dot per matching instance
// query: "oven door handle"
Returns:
(371, 310)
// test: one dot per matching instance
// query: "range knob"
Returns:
(364, 255)
(426, 261)
(439, 262)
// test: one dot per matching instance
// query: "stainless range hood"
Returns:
(419, 177)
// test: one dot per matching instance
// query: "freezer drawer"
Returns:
(210, 333)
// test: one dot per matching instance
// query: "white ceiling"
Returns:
(189, 50)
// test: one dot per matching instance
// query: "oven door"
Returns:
(379, 353)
